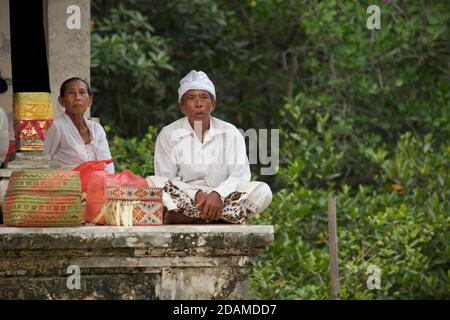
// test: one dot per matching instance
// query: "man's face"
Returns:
(197, 105)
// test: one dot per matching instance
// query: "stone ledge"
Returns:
(17, 165)
(175, 236)
(32, 155)
(161, 262)
(196, 228)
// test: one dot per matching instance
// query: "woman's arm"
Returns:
(103, 152)
(4, 135)
(52, 140)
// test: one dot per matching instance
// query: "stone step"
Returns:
(5, 173)
(28, 164)
(32, 156)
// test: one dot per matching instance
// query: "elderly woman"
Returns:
(202, 164)
(73, 139)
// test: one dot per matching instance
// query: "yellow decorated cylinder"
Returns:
(33, 106)
(33, 115)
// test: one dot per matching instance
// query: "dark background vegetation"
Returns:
(363, 114)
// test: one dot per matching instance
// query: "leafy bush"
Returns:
(134, 154)
(128, 59)
(363, 115)
(399, 222)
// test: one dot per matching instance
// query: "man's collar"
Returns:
(186, 129)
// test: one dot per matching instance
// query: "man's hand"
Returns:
(200, 198)
(210, 204)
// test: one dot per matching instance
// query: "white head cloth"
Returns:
(197, 80)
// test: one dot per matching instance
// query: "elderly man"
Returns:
(202, 164)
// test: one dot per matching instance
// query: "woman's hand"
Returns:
(210, 204)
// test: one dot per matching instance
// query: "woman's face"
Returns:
(197, 105)
(76, 98)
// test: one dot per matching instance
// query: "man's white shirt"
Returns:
(220, 162)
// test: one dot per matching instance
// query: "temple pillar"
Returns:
(68, 34)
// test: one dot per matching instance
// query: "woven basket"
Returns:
(43, 198)
(133, 206)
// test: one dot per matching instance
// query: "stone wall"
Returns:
(164, 262)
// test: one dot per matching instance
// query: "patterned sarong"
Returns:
(236, 209)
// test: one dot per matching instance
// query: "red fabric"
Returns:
(86, 170)
(30, 134)
(96, 191)
(11, 150)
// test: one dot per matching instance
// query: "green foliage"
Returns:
(127, 60)
(135, 155)
(399, 222)
(362, 114)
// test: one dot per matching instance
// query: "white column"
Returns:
(68, 34)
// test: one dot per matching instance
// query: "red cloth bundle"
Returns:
(96, 191)
(86, 169)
